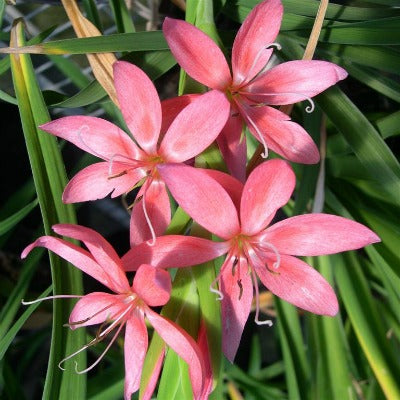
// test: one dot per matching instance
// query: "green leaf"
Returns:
(9, 223)
(368, 326)
(389, 125)
(50, 178)
(136, 41)
(365, 141)
(7, 339)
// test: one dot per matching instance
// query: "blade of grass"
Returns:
(50, 178)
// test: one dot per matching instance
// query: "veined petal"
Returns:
(238, 294)
(96, 136)
(135, 349)
(202, 198)
(170, 108)
(318, 234)
(153, 285)
(267, 189)
(184, 345)
(158, 210)
(102, 252)
(281, 135)
(95, 182)
(196, 127)
(74, 254)
(197, 53)
(294, 81)
(173, 251)
(299, 284)
(259, 29)
(140, 104)
(95, 308)
(233, 147)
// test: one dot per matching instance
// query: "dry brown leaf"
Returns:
(101, 63)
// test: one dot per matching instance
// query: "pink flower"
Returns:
(127, 165)
(251, 89)
(128, 306)
(254, 250)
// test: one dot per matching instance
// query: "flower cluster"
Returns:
(166, 136)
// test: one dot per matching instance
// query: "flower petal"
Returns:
(173, 251)
(152, 382)
(74, 254)
(95, 308)
(236, 304)
(158, 209)
(202, 198)
(184, 345)
(283, 136)
(153, 285)
(170, 108)
(197, 53)
(294, 81)
(140, 104)
(259, 29)
(233, 147)
(95, 182)
(299, 284)
(318, 234)
(196, 127)
(96, 136)
(232, 186)
(135, 349)
(267, 189)
(102, 252)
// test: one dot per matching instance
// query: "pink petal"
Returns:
(299, 284)
(80, 258)
(95, 308)
(95, 182)
(236, 306)
(102, 252)
(196, 127)
(282, 136)
(140, 104)
(205, 350)
(135, 349)
(152, 382)
(318, 234)
(173, 251)
(232, 186)
(197, 54)
(170, 108)
(96, 136)
(295, 81)
(184, 345)
(233, 147)
(153, 285)
(202, 198)
(267, 189)
(158, 209)
(258, 30)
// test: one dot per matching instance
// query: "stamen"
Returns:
(239, 282)
(153, 234)
(270, 246)
(235, 262)
(259, 134)
(216, 291)
(81, 130)
(256, 318)
(60, 296)
(309, 109)
(257, 57)
(102, 354)
(111, 163)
